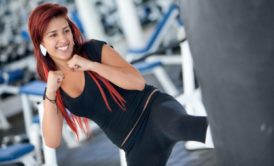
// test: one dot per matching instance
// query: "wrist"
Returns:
(50, 93)
(49, 96)
(92, 66)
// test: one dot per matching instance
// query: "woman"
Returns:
(90, 80)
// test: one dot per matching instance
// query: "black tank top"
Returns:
(118, 123)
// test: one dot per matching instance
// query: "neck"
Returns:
(63, 66)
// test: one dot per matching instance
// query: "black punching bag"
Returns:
(232, 43)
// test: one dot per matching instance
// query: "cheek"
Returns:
(72, 40)
(51, 46)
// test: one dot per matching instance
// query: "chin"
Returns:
(65, 56)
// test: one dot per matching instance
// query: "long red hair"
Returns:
(38, 22)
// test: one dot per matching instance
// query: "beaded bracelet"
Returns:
(46, 97)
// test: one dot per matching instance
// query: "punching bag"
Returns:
(232, 43)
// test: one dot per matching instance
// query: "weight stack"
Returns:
(232, 43)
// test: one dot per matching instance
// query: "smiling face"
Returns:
(58, 39)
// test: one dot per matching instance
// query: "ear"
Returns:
(43, 50)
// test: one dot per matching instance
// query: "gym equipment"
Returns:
(32, 93)
(232, 47)
(22, 153)
(156, 67)
(191, 97)
(7, 77)
(169, 19)
(14, 139)
(145, 62)
(109, 17)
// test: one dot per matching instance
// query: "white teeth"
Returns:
(63, 48)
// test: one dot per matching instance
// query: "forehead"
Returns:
(57, 23)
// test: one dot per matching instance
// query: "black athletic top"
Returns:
(90, 104)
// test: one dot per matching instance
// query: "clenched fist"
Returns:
(54, 81)
(78, 63)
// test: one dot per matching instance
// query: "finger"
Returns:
(72, 66)
(76, 66)
(60, 79)
(72, 61)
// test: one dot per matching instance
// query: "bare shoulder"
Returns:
(112, 57)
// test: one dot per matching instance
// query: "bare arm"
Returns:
(114, 68)
(52, 121)
(117, 70)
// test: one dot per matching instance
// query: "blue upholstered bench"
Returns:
(17, 153)
(33, 88)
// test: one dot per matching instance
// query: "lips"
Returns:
(63, 48)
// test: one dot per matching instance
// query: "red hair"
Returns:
(38, 22)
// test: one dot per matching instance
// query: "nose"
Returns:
(63, 37)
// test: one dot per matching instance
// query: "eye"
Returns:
(53, 35)
(67, 30)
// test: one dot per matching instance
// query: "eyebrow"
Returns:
(56, 30)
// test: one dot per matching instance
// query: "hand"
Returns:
(54, 81)
(78, 63)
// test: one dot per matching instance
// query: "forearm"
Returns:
(52, 122)
(125, 78)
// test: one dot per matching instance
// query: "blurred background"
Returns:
(149, 34)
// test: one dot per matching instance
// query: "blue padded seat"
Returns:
(33, 88)
(14, 152)
(1, 79)
(12, 75)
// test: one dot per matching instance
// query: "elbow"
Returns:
(51, 141)
(141, 84)
(52, 144)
